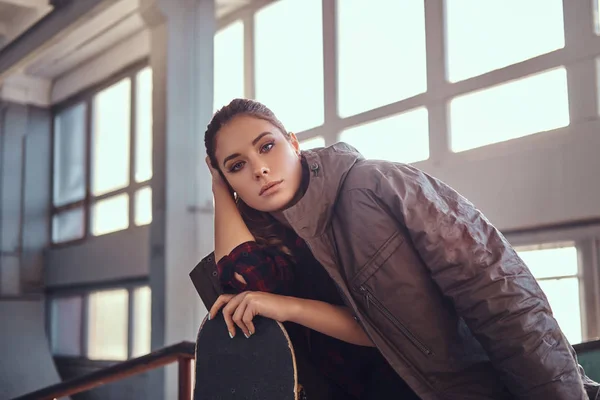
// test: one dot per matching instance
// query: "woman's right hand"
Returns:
(218, 183)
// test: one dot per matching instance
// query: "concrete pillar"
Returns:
(24, 196)
(24, 184)
(181, 59)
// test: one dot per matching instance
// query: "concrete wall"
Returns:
(118, 256)
(26, 363)
(544, 179)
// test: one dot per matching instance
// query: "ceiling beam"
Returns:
(27, 3)
(47, 31)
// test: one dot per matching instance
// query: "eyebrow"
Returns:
(256, 140)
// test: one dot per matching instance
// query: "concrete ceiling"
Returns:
(16, 16)
(118, 22)
(32, 79)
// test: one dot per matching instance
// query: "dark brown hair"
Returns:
(266, 230)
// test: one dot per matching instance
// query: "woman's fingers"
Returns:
(238, 318)
(228, 311)
(221, 301)
(248, 317)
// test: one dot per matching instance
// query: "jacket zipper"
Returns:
(371, 300)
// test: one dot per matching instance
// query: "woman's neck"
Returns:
(299, 193)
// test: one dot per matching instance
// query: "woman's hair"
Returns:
(266, 230)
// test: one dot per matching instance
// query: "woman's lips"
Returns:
(269, 187)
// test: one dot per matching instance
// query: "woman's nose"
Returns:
(262, 171)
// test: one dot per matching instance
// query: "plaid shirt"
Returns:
(268, 270)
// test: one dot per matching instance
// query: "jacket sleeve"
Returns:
(490, 286)
(263, 269)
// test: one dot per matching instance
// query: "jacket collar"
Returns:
(328, 169)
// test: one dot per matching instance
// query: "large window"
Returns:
(484, 35)
(229, 64)
(381, 53)
(556, 268)
(398, 138)
(97, 324)
(289, 62)
(510, 110)
(103, 160)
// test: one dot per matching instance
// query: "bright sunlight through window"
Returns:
(110, 138)
(484, 35)
(229, 64)
(398, 138)
(510, 110)
(556, 269)
(289, 62)
(108, 317)
(381, 48)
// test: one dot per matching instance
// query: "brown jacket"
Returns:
(436, 287)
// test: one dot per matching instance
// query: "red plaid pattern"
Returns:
(264, 270)
(268, 270)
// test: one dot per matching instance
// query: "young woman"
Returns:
(393, 284)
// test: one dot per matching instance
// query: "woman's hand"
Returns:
(218, 183)
(241, 309)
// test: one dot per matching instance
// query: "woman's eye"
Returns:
(236, 167)
(267, 147)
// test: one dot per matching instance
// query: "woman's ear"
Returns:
(294, 142)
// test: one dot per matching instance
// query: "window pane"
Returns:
(143, 206)
(563, 295)
(108, 316)
(143, 126)
(66, 326)
(142, 315)
(369, 77)
(110, 215)
(317, 141)
(399, 138)
(69, 155)
(289, 62)
(229, 64)
(112, 114)
(68, 225)
(552, 262)
(510, 110)
(484, 35)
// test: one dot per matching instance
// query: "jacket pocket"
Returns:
(371, 300)
(360, 284)
(380, 257)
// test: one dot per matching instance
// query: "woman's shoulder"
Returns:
(369, 174)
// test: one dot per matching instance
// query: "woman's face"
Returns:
(262, 166)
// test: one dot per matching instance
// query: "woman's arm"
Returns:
(230, 228)
(490, 287)
(329, 319)
(334, 321)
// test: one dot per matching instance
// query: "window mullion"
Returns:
(88, 167)
(130, 322)
(589, 289)
(132, 146)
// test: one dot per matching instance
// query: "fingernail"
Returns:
(231, 335)
(247, 336)
(209, 317)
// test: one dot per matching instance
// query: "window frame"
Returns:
(84, 293)
(586, 238)
(86, 97)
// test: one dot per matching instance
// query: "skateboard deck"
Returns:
(262, 367)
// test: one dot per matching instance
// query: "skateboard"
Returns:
(262, 367)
